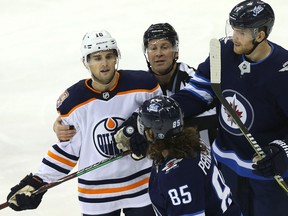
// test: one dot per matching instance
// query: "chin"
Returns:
(238, 51)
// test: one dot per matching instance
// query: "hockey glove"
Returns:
(125, 132)
(139, 146)
(21, 197)
(275, 162)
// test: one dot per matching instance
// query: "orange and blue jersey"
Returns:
(96, 115)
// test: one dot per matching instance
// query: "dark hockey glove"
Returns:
(138, 146)
(21, 197)
(124, 133)
(275, 162)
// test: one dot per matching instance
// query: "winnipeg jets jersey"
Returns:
(191, 187)
(206, 122)
(257, 91)
(95, 115)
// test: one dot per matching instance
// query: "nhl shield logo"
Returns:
(105, 95)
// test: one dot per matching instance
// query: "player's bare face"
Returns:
(242, 39)
(160, 53)
(102, 65)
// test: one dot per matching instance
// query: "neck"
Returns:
(261, 52)
(99, 86)
(164, 79)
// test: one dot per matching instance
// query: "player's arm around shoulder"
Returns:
(70, 99)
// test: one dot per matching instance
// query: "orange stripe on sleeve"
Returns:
(61, 159)
(113, 190)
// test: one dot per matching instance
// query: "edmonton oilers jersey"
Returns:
(95, 116)
(190, 187)
(257, 91)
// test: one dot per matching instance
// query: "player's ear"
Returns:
(85, 65)
(176, 56)
(261, 36)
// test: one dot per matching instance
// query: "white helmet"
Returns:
(98, 41)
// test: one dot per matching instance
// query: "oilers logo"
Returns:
(243, 109)
(103, 136)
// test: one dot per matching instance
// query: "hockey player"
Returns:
(94, 107)
(254, 77)
(184, 178)
(161, 51)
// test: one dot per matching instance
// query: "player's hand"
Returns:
(21, 197)
(123, 136)
(139, 146)
(63, 132)
(124, 133)
(275, 162)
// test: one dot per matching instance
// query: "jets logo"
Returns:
(257, 10)
(172, 164)
(103, 136)
(242, 108)
(285, 67)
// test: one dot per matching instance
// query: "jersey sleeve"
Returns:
(62, 157)
(196, 96)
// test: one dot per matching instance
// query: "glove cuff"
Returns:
(136, 157)
(282, 146)
(128, 131)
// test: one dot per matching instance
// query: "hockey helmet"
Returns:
(160, 31)
(162, 115)
(98, 41)
(252, 14)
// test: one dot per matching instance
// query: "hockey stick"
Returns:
(75, 174)
(215, 70)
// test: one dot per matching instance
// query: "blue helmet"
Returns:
(252, 14)
(162, 115)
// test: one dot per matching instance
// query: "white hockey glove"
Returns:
(123, 136)
(125, 132)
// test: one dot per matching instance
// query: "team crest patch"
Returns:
(172, 164)
(242, 108)
(103, 136)
(62, 97)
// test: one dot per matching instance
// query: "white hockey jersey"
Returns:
(95, 115)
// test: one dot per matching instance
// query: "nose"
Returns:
(159, 51)
(104, 62)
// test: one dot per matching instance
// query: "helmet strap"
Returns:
(255, 45)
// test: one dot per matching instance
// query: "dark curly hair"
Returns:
(186, 145)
